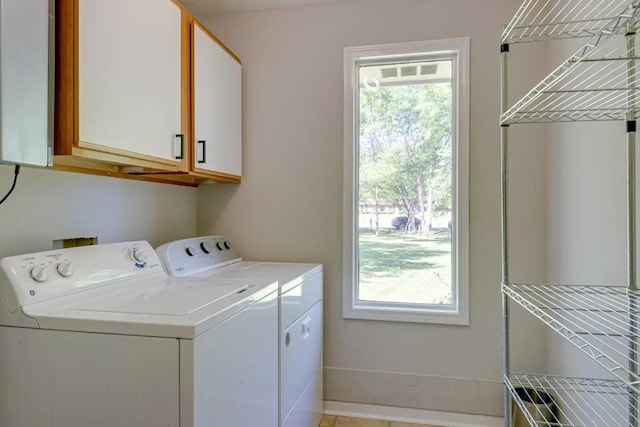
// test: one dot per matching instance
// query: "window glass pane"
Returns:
(405, 183)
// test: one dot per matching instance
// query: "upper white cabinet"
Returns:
(122, 87)
(130, 76)
(26, 81)
(217, 112)
(143, 91)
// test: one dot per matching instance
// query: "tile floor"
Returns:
(337, 421)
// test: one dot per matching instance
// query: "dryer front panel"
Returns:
(302, 357)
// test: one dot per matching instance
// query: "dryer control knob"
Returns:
(140, 255)
(190, 251)
(65, 269)
(206, 247)
(227, 245)
(219, 246)
(39, 273)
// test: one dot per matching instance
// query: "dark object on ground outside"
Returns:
(400, 222)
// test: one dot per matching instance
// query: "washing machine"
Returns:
(101, 336)
(300, 317)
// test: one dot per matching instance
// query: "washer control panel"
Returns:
(36, 277)
(191, 256)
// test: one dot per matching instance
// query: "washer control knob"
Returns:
(227, 245)
(65, 269)
(140, 255)
(206, 247)
(39, 273)
(190, 251)
(219, 246)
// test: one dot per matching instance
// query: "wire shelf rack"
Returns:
(599, 81)
(576, 401)
(595, 319)
(538, 20)
(595, 83)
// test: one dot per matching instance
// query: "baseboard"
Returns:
(426, 392)
(409, 415)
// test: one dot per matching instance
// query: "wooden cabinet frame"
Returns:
(72, 154)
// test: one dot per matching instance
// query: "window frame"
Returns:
(459, 50)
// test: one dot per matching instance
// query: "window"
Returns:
(406, 182)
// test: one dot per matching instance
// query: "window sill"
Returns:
(386, 314)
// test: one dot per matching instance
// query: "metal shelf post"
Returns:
(504, 145)
(631, 216)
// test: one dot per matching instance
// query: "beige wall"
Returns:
(49, 205)
(289, 206)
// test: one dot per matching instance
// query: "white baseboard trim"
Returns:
(428, 392)
(409, 415)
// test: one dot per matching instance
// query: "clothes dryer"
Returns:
(300, 316)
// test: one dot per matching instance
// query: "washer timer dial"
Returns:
(140, 255)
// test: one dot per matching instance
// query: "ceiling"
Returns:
(208, 7)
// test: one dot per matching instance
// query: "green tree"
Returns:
(405, 149)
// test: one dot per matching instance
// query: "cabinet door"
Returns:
(129, 77)
(217, 106)
(26, 81)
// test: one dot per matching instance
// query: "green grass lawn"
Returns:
(400, 267)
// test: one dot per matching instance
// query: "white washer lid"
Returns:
(170, 298)
(159, 306)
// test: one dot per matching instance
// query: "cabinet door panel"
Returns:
(217, 106)
(130, 75)
(26, 81)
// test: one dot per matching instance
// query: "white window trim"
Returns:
(460, 237)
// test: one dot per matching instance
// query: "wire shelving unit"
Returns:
(538, 20)
(583, 402)
(598, 82)
(592, 318)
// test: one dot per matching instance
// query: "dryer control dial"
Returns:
(39, 273)
(190, 251)
(65, 269)
(206, 247)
